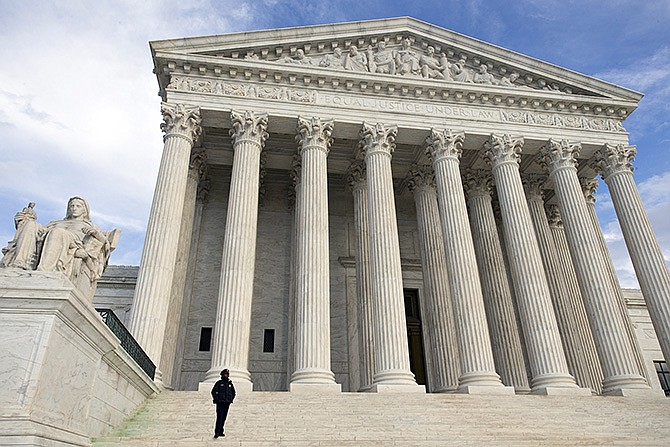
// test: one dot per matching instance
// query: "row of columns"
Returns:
(454, 295)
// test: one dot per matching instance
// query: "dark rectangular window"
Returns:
(205, 339)
(269, 340)
(663, 375)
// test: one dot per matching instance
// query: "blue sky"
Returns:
(79, 111)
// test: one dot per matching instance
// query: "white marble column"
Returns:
(575, 295)
(421, 182)
(573, 345)
(614, 164)
(230, 341)
(498, 301)
(356, 179)
(312, 306)
(474, 343)
(549, 369)
(614, 348)
(589, 187)
(176, 318)
(154, 279)
(392, 369)
(294, 193)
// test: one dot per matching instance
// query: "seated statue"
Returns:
(73, 246)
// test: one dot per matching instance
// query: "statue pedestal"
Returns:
(65, 377)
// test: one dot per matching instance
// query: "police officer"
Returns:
(223, 395)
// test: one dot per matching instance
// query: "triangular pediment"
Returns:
(388, 52)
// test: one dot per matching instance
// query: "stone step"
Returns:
(347, 419)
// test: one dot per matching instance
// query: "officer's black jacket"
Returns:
(223, 391)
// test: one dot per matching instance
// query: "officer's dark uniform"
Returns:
(223, 395)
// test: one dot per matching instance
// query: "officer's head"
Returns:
(225, 373)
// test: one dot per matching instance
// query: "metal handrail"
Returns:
(128, 342)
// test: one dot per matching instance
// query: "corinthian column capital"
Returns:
(378, 138)
(612, 159)
(503, 149)
(589, 187)
(198, 163)
(477, 183)
(249, 126)
(444, 144)
(420, 176)
(314, 133)
(558, 154)
(180, 120)
(554, 216)
(533, 185)
(356, 175)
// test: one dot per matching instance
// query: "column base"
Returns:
(624, 384)
(496, 390)
(396, 388)
(445, 390)
(314, 388)
(562, 391)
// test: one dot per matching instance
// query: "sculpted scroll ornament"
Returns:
(533, 185)
(314, 133)
(420, 176)
(378, 138)
(500, 149)
(612, 159)
(477, 183)
(181, 120)
(356, 175)
(73, 246)
(589, 187)
(249, 126)
(444, 144)
(561, 154)
(553, 216)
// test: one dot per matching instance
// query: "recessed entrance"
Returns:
(415, 335)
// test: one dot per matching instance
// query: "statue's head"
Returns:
(77, 208)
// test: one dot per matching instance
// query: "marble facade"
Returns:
(319, 183)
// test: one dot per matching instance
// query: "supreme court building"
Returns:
(389, 205)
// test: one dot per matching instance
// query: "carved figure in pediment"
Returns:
(406, 60)
(73, 246)
(334, 60)
(433, 68)
(543, 85)
(506, 81)
(251, 55)
(382, 60)
(483, 76)
(299, 58)
(355, 60)
(459, 72)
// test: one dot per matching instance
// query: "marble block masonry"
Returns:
(389, 206)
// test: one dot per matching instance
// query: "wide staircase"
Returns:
(186, 418)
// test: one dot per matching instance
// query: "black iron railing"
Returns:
(128, 342)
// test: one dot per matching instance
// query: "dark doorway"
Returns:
(415, 335)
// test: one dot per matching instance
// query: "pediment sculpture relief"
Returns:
(74, 246)
(406, 60)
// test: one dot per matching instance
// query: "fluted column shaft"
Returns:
(563, 306)
(230, 347)
(391, 348)
(421, 181)
(614, 162)
(543, 342)
(312, 331)
(589, 188)
(294, 195)
(498, 301)
(614, 348)
(154, 279)
(474, 343)
(176, 318)
(366, 320)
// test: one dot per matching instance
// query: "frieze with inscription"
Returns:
(297, 95)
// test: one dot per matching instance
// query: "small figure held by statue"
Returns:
(73, 246)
